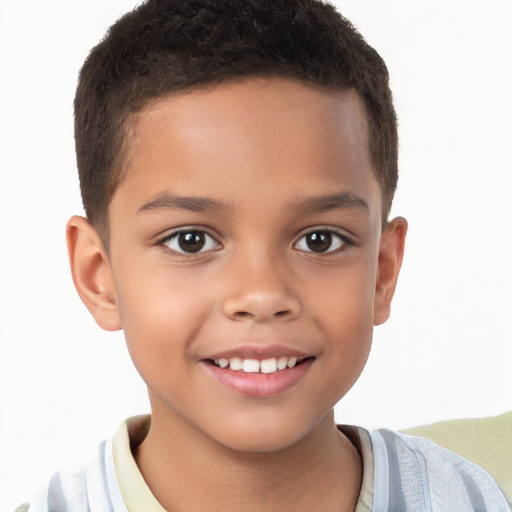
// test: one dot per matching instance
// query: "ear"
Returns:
(391, 252)
(92, 274)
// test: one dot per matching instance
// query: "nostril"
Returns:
(242, 314)
(261, 307)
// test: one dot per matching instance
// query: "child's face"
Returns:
(249, 226)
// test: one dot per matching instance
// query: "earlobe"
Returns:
(92, 274)
(391, 252)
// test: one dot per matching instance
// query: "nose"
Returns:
(260, 290)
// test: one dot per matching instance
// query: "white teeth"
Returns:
(282, 363)
(292, 362)
(251, 366)
(235, 363)
(269, 365)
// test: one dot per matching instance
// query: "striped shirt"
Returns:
(401, 474)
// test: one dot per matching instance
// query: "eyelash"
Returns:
(329, 236)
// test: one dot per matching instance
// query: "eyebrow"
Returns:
(323, 203)
(317, 204)
(194, 204)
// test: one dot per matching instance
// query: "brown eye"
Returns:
(321, 241)
(191, 242)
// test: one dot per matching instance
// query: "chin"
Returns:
(263, 435)
(261, 443)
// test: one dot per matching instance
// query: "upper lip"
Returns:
(251, 351)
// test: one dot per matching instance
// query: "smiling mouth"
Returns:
(259, 375)
(252, 365)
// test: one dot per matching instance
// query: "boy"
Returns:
(237, 164)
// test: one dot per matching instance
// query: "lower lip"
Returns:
(260, 385)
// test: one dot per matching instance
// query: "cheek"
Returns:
(350, 329)
(160, 312)
(343, 309)
(344, 298)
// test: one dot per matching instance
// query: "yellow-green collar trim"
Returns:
(135, 492)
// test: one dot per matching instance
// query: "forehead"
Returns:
(246, 110)
(253, 132)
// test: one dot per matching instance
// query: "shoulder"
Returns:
(110, 482)
(88, 489)
(485, 441)
(413, 473)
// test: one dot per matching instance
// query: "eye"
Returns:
(190, 241)
(321, 241)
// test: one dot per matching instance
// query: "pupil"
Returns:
(320, 241)
(191, 242)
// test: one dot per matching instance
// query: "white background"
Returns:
(445, 353)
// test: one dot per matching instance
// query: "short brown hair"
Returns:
(166, 46)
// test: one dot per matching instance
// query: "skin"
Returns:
(267, 152)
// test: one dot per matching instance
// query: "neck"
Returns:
(187, 472)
